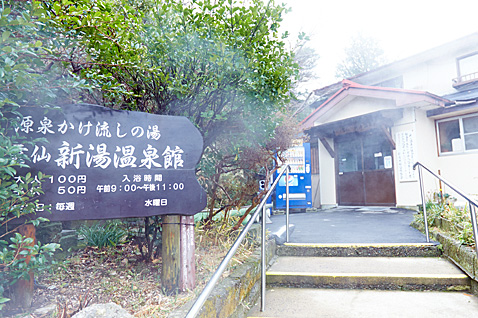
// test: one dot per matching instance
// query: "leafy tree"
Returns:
(22, 82)
(219, 63)
(306, 58)
(362, 55)
(29, 72)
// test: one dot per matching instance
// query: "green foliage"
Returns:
(465, 236)
(222, 64)
(460, 218)
(13, 258)
(30, 72)
(18, 200)
(102, 235)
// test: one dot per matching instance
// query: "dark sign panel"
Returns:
(105, 163)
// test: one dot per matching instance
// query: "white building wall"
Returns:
(427, 150)
(328, 195)
(462, 171)
(459, 169)
(414, 120)
(431, 71)
(356, 107)
(434, 76)
(406, 191)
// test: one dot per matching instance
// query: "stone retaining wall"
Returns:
(234, 295)
(463, 256)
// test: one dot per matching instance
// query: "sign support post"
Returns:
(178, 270)
(188, 264)
(171, 255)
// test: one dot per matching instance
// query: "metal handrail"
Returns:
(198, 304)
(471, 202)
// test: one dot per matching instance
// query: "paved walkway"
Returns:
(340, 303)
(351, 225)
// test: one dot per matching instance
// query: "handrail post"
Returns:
(263, 260)
(473, 223)
(473, 204)
(287, 205)
(201, 299)
(420, 177)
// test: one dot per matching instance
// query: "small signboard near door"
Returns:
(406, 155)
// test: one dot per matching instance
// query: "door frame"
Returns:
(359, 136)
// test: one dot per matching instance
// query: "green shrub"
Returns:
(458, 216)
(101, 235)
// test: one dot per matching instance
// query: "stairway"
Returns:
(365, 280)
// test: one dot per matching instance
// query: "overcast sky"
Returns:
(402, 28)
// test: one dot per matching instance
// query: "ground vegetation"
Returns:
(444, 215)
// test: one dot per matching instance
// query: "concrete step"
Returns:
(399, 273)
(361, 250)
(340, 303)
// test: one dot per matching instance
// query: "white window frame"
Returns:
(460, 71)
(462, 135)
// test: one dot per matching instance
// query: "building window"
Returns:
(467, 69)
(458, 134)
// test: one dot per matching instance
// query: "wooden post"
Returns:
(442, 193)
(188, 264)
(179, 268)
(23, 289)
(170, 274)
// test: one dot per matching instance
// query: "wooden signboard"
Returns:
(104, 163)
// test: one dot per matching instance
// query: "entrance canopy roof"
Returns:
(401, 98)
(378, 119)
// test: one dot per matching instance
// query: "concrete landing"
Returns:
(314, 303)
(351, 225)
